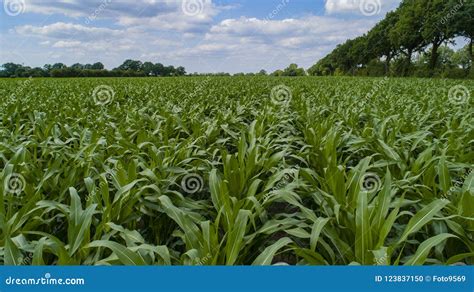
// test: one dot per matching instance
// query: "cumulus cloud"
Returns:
(303, 33)
(249, 42)
(106, 8)
(66, 44)
(185, 15)
(272, 44)
(61, 30)
(360, 7)
(73, 42)
(164, 31)
(335, 6)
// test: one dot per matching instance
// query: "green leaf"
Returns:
(38, 253)
(83, 227)
(423, 217)
(316, 231)
(443, 174)
(12, 255)
(363, 239)
(125, 255)
(382, 203)
(236, 237)
(425, 247)
(266, 257)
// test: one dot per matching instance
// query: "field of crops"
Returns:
(236, 171)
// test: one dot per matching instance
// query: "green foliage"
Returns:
(292, 70)
(344, 171)
(416, 27)
(129, 68)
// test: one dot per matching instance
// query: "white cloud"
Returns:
(360, 7)
(66, 44)
(159, 31)
(242, 44)
(335, 6)
(103, 8)
(78, 43)
(304, 33)
(61, 30)
(258, 43)
(185, 16)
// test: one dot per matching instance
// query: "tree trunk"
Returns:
(434, 56)
(406, 70)
(471, 54)
(387, 64)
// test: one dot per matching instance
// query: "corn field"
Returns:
(236, 171)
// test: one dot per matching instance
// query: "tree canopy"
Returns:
(416, 29)
(129, 68)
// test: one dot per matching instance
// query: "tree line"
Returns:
(410, 41)
(291, 71)
(129, 68)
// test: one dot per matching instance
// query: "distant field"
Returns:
(236, 171)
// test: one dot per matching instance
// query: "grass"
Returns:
(236, 171)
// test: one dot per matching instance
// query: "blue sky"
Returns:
(202, 35)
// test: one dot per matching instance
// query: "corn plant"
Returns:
(236, 171)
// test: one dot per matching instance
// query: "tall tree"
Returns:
(10, 69)
(437, 27)
(293, 70)
(464, 22)
(131, 65)
(158, 69)
(462, 58)
(97, 66)
(77, 66)
(180, 71)
(58, 66)
(147, 68)
(379, 42)
(359, 51)
(407, 32)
